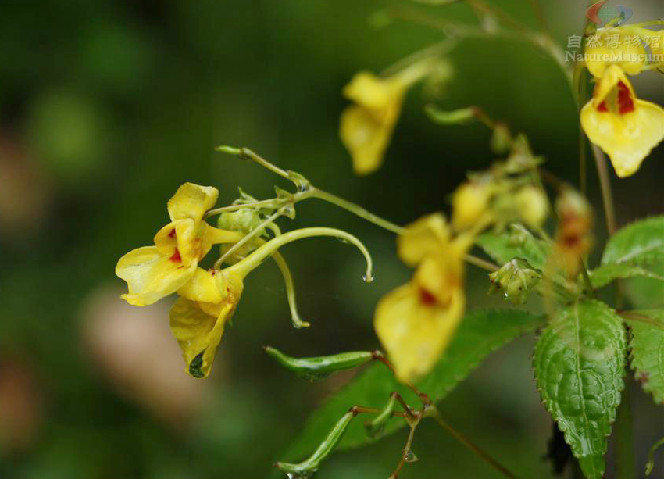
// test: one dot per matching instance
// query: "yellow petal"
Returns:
(165, 240)
(211, 236)
(366, 134)
(618, 46)
(428, 235)
(470, 204)
(192, 201)
(373, 92)
(151, 276)
(203, 287)
(198, 334)
(628, 136)
(180, 236)
(413, 332)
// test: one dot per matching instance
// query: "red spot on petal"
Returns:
(602, 108)
(427, 298)
(176, 258)
(172, 233)
(625, 101)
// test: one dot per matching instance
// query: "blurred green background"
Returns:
(106, 107)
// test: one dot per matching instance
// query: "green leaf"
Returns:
(579, 366)
(647, 350)
(480, 333)
(518, 243)
(639, 243)
(645, 292)
(606, 273)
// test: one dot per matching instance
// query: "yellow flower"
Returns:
(425, 237)
(626, 128)
(532, 205)
(470, 204)
(624, 47)
(416, 321)
(198, 317)
(366, 126)
(574, 236)
(152, 272)
(620, 46)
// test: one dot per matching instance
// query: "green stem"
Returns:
(353, 208)
(406, 448)
(460, 30)
(480, 263)
(247, 154)
(251, 262)
(605, 186)
(433, 413)
(248, 237)
(290, 290)
(255, 204)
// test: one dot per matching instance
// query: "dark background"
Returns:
(106, 107)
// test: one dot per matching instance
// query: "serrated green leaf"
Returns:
(480, 333)
(519, 243)
(579, 366)
(647, 350)
(604, 274)
(639, 243)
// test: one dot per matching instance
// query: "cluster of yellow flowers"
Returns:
(626, 128)
(416, 321)
(207, 299)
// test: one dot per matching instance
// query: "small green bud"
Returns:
(245, 220)
(308, 467)
(501, 141)
(454, 117)
(516, 279)
(521, 159)
(377, 424)
(320, 367)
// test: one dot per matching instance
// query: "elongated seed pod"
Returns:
(320, 367)
(377, 424)
(309, 466)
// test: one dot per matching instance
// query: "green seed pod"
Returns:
(516, 279)
(320, 367)
(308, 467)
(377, 424)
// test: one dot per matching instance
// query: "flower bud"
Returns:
(244, 220)
(501, 141)
(574, 235)
(532, 205)
(469, 204)
(516, 279)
